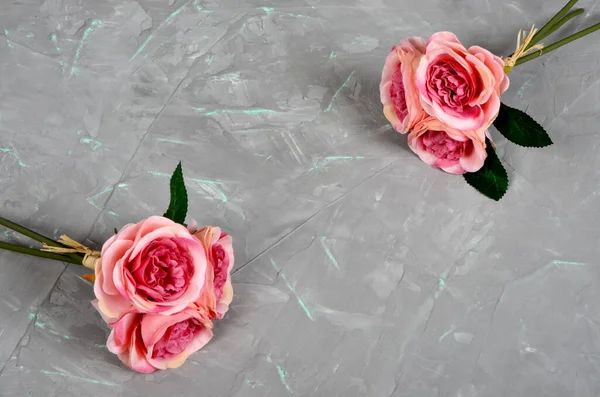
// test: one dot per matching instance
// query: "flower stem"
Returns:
(547, 28)
(33, 235)
(559, 44)
(537, 38)
(41, 254)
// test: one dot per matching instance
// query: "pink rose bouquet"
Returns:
(446, 96)
(159, 284)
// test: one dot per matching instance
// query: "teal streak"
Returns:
(248, 112)
(329, 254)
(445, 335)
(566, 263)
(167, 140)
(199, 8)
(86, 33)
(331, 158)
(47, 328)
(282, 374)
(298, 299)
(337, 93)
(68, 375)
(53, 38)
(441, 287)
(94, 143)
(92, 199)
(156, 173)
(206, 181)
(253, 383)
(151, 36)
(141, 48)
(12, 153)
(210, 186)
(7, 40)
(207, 185)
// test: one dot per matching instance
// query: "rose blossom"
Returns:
(456, 152)
(460, 87)
(154, 266)
(147, 342)
(399, 93)
(217, 292)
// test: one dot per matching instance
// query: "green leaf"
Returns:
(491, 180)
(518, 127)
(177, 210)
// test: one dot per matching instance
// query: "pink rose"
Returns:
(460, 87)
(399, 94)
(154, 266)
(217, 293)
(453, 151)
(147, 342)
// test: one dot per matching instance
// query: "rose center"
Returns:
(176, 338)
(398, 94)
(163, 270)
(442, 146)
(449, 86)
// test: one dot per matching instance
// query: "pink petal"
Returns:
(455, 168)
(137, 356)
(390, 66)
(474, 158)
(109, 260)
(415, 146)
(447, 37)
(473, 120)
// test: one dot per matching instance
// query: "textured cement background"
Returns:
(360, 271)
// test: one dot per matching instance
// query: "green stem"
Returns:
(34, 236)
(41, 254)
(558, 44)
(558, 25)
(543, 32)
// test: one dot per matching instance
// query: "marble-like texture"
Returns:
(360, 271)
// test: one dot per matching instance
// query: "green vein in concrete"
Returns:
(174, 141)
(151, 36)
(88, 380)
(330, 255)
(92, 199)
(13, 154)
(567, 263)
(337, 93)
(293, 290)
(92, 142)
(86, 33)
(445, 335)
(282, 374)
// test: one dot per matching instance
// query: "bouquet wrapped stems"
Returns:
(69, 257)
(532, 49)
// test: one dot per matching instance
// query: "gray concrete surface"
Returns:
(360, 271)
